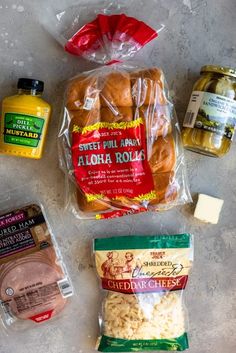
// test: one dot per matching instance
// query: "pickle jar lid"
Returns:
(219, 70)
(30, 84)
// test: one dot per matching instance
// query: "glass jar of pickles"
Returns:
(210, 120)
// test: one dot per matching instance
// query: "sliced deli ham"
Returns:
(29, 285)
(33, 284)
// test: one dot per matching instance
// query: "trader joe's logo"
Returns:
(157, 255)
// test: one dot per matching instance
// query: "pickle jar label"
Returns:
(211, 112)
(24, 130)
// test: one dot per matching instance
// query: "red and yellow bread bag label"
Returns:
(110, 161)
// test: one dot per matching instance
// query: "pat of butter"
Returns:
(208, 209)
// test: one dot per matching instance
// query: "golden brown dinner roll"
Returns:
(92, 206)
(163, 156)
(83, 93)
(157, 120)
(154, 74)
(116, 114)
(83, 118)
(125, 202)
(148, 87)
(116, 90)
(166, 188)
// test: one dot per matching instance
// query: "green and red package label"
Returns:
(23, 130)
(135, 264)
(110, 161)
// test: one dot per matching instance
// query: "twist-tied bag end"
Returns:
(110, 38)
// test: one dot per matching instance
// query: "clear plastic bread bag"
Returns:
(34, 283)
(119, 141)
(143, 279)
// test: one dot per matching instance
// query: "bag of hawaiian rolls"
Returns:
(120, 145)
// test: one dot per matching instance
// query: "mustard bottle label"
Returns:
(211, 112)
(23, 130)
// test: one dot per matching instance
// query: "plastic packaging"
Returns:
(34, 283)
(120, 145)
(143, 279)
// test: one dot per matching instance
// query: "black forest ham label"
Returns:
(23, 231)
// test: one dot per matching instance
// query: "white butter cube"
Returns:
(208, 209)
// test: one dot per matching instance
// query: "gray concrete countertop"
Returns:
(198, 32)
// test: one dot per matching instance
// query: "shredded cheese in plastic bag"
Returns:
(144, 278)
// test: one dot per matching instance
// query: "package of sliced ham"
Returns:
(120, 145)
(34, 284)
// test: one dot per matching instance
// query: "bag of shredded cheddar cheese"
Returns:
(144, 278)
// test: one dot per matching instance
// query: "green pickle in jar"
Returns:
(210, 121)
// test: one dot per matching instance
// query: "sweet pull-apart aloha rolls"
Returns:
(157, 120)
(115, 90)
(148, 87)
(83, 93)
(79, 119)
(83, 118)
(91, 206)
(163, 155)
(116, 114)
(166, 188)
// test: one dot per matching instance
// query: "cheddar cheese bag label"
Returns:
(154, 266)
(144, 278)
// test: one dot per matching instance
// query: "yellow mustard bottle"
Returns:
(24, 120)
